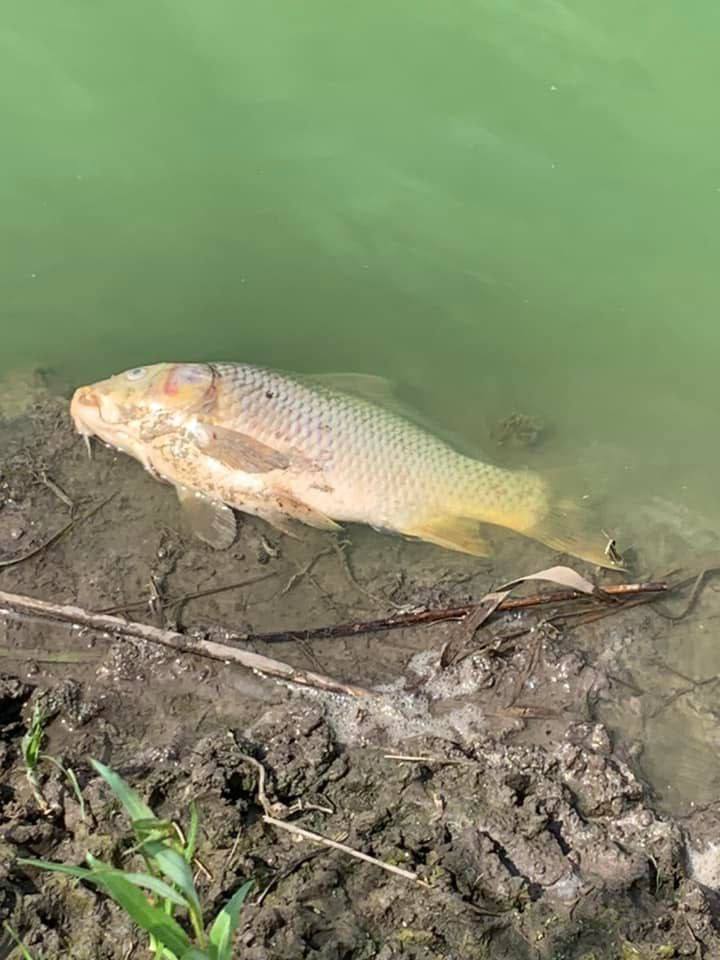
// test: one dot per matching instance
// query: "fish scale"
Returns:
(285, 445)
(395, 463)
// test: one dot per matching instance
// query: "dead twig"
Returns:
(693, 685)
(582, 617)
(43, 477)
(521, 712)
(39, 549)
(344, 848)
(186, 597)
(114, 626)
(692, 600)
(276, 808)
(73, 522)
(444, 761)
(304, 571)
(443, 614)
(202, 870)
(341, 548)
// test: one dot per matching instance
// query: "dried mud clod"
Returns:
(527, 851)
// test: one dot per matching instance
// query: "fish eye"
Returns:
(136, 374)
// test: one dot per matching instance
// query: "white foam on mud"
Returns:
(394, 715)
(705, 865)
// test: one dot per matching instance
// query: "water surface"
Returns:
(510, 206)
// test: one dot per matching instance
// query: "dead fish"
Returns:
(320, 450)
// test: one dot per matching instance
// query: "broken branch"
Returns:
(359, 855)
(443, 614)
(104, 623)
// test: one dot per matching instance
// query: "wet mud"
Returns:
(522, 786)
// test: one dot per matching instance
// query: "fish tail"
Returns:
(528, 504)
(572, 527)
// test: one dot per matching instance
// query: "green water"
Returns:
(513, 205)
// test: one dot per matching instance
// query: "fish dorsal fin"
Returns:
(387, 394)
(366, 386)
(239, 451)
(210, 520)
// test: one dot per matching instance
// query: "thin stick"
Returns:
(438, 615)
(692, 599)
(266, 803)
(304, 571)
(73, 522)
(326, 842)
(186, 597)
(341, 547)
(43, 546)
(581, 617)
(44, 478)
(445, 761)
(169, 638)
(278, 808)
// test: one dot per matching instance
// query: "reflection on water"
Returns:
(512, 208)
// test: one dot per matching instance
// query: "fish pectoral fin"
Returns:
(210, 520)
(451, 532)
(239, 451)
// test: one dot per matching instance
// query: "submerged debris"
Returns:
(519, 430)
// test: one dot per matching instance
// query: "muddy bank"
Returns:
(525, 808)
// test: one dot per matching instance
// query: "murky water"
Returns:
(511, 206)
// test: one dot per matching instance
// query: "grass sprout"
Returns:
(32, 755)
(14, 937)
(165, 893)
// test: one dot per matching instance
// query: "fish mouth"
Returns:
(84, 409)
(95, 414)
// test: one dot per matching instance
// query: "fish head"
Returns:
(127, 411)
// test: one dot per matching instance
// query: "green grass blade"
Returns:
(163, 828)
(174, 868)
(191, 842)
(226, 922)
(151, 919)
(124, 892)
(156, 885)
(32, 741)
(24, 952)
(135, 807)
(70, 774)
(82, 873)
(194, 954)
(144, 880)
(158, 950)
